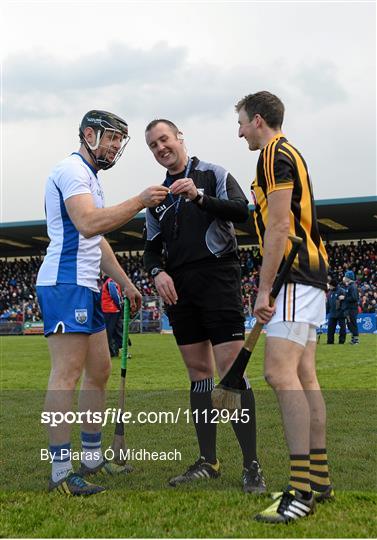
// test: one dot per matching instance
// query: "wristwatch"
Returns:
(198, 198)
(155, 271)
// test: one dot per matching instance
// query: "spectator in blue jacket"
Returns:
(335, 310)
(351, 303)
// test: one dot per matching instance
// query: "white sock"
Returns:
(60, 470)
(61, 462)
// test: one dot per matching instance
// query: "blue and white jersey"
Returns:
(70, 257)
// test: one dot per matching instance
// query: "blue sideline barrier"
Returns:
(366, 323)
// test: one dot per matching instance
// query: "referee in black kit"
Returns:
(201, 284)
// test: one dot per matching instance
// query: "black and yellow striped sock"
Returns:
(319, 469)
(300, 473)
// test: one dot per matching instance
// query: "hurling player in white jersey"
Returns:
(69, 296)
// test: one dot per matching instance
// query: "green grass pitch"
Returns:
(142, 504)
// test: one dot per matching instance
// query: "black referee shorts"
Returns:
(209, 305)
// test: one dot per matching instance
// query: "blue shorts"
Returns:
(70, 308)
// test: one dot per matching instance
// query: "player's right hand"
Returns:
(262, 309)
(153, 196)
(165, 288)
(134, 297)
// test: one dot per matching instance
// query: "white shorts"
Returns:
(300, 309)
(300, 303)
(299, 332)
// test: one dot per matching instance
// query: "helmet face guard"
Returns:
(103, 122)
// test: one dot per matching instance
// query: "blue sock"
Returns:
(61, 461)
(91, 449)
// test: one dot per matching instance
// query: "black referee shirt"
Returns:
(192, 234)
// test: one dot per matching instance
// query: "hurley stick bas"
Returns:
(227, 394)
(119, 446)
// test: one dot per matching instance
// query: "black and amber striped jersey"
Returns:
(281, 166)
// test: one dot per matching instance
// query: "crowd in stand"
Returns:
(250, 261)
(17, 292)
(17, 278)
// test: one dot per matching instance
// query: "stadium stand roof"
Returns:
(339, 219)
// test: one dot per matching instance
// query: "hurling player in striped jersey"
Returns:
(284, 205)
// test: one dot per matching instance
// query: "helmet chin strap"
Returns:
(104, 164)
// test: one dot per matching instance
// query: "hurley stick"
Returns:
(227, 394)
(119, 443)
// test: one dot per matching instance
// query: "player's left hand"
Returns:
(186, 187)
(134, 297)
